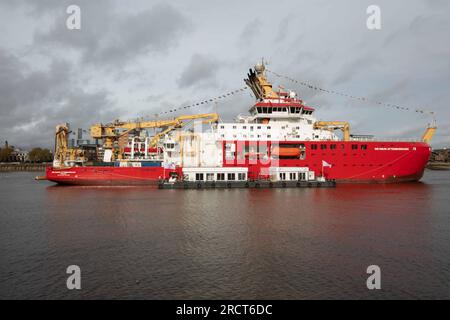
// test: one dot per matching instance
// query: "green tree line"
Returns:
(5, 154)
(40, 155)
(35, 155)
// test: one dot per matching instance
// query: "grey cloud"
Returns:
(353, 67)
(393, 91)
(34, 102)
(283, 27)
(200, 70)
(250, 31)
(110, 39)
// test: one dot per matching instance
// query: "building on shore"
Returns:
(12, 154)
(440, 155)
(19, 155)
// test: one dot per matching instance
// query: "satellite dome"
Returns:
(259, 68)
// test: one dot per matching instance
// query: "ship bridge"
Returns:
(271, 104)
(285, 109)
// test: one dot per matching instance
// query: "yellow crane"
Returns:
(428, 134)
(335, 125)
(62, 151)
(345, 128)
(109, 132)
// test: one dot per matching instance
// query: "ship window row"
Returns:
(334, 146)
(293, 176)
(234, 127)
(251, 127)
(271, 109)
(220, 176)
(252, 136)
(292, 110)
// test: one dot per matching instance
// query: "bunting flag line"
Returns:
(200, 103)
(363, 99)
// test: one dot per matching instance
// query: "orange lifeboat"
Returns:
(286, 152)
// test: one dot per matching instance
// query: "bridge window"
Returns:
(323, 146)
(332, 146)
(364, 147)
(354, 147)
(295, 109)
(314, 147)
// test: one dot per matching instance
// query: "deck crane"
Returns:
(65, 156)
(109, 132)
(335, 125)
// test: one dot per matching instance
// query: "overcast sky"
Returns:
(137, 58)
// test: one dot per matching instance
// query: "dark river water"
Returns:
(225, 244)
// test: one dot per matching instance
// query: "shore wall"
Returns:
(438, 165)
(8, 167)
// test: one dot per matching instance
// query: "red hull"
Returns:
(107, 176)
(354, 161)
(351, 161)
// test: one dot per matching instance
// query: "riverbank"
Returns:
(35, 167)
(438, 165)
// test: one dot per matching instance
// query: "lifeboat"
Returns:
(286, 151)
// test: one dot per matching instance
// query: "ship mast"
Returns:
(257, 81)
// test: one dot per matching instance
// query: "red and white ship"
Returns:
(280, 139)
